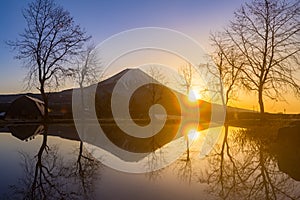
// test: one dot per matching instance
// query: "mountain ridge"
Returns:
(65, 96)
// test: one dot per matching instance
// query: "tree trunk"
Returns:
(46, 106)
(187, 136)
(82, 104)
(260, 101)
(38, 174)
(187, 149)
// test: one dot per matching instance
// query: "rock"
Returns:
(288, 150)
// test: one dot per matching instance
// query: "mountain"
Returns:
(181, 114)
(142, 99)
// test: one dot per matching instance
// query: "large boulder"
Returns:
(288, 150)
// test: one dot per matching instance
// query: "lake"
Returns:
(252, 163)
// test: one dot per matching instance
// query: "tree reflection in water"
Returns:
(48, 175)
(86, 171)
(184, 170)
(155, 158)
(244, 166)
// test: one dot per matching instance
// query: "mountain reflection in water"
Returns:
(260, 162)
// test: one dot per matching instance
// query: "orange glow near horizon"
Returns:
(249, 101)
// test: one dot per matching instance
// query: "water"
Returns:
(245, 164)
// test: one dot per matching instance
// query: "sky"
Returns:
(102, 19)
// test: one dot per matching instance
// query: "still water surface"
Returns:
(245, 164)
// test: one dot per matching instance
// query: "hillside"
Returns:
(60, 103)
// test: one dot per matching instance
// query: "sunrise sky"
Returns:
(104, 18)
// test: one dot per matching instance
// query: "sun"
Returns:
(193, 135)
(194, 96)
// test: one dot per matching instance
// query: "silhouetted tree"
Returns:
(186, 71)
(266, 35)
(86, 71)
(228, 68)
(47, 43)
(156, 155)
(156, 95)
(87, 67)
(157, 77)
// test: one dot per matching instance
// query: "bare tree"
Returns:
(225, 68)
(186, 71)
(47, 43)
(228, 68)
(87, 70)
(266, 34)
(157, 77)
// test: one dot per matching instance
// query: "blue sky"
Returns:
(101, 19)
